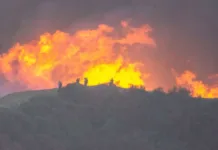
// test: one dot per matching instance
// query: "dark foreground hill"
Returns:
(110, 118)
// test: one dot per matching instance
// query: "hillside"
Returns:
(17, 98)
(106, 118)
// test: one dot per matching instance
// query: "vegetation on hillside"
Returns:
(110, 118)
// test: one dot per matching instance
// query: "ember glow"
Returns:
(99, 54)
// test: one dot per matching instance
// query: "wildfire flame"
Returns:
(196, 87)
(98, 54)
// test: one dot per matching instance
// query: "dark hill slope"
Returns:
(106, 118)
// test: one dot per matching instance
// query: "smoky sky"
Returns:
(186, 31)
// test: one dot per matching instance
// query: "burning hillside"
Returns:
(98, 54)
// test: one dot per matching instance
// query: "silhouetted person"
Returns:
(86, 81)
(111, 82)
(77, 80)
(59, 85)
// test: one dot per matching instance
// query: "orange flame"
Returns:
(196, 87)
(99, 54)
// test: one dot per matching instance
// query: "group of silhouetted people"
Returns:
(85, 83)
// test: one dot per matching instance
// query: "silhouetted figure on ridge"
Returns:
(111, 82)
(59, 85)
(77, 81)
(86, 81)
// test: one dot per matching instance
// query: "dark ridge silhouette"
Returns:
(107, 117)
